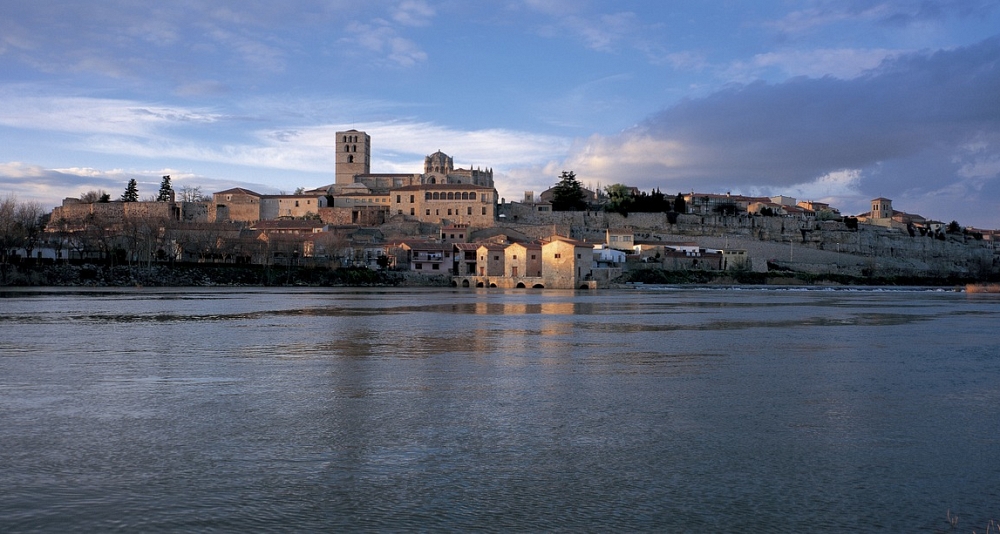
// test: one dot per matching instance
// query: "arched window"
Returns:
(465, 196)
(436, 197)
(345, 138)
(354, 148)
(451, 196)
(347, 148)
(427, 195)
(350, 159)
(472, 196)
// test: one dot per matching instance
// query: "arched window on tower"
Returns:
(347, 148)
(354, 148)
(350, 159)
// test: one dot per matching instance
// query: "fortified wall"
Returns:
(798, 244)
(75, 213)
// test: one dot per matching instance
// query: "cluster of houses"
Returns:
(344, 222)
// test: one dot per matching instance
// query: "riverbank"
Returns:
(784, 278)
(200, 275)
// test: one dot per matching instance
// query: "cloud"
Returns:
(384, 40)
(915, 127)
(92, 115)
(898, 13)
(413, 13)
(50, 186)
(843, 63)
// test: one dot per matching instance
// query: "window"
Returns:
(472, 196)
(437, 212)
(470, 210)
(412, 211)
(449, 211)
(578, 256)
(399, 199)
(296, 203)
(558, 255)
(515, 256)
(428, 211)
(418, 266)
(484, 210)
(435, 266)
(532, 256)
(496, 258)
(411, 199)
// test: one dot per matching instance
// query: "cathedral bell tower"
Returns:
(354, 155)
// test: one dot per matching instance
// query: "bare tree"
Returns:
(191, 194)
(94, 196)
(29, 217)
(10, 232)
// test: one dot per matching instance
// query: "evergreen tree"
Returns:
(619, 199)
(568, 194)
(166, 192)
(131, 193)
(679, 205)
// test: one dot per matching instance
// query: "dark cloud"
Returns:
(805, 128)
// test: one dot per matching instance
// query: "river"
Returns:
(653, 409)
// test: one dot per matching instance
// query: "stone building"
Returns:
(353, 166)
(290, 206)
(235, 205)
(441, 194)
(567, 263)
(469, 205)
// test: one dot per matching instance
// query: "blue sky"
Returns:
(836, 101)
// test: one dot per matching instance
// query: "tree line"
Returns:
(569, 195)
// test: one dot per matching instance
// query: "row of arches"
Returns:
(465, 195)
(350, 148)
(520, 285)
(350, 139)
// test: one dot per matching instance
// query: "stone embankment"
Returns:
(817, 247)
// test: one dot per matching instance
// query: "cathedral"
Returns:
(441, 194)
(354, 167)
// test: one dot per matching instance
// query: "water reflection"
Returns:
(508, 411)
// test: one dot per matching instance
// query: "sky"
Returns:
(837, 101)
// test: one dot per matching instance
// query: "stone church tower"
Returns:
(354, 155)
(881, 208)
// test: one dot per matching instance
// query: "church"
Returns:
(441, 194)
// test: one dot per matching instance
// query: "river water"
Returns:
(679, 410)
